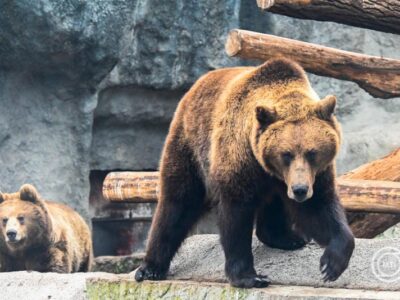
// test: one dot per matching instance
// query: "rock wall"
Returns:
(93, 85)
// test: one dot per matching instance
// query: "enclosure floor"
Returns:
(129, 289)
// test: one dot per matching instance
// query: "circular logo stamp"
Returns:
(385, 264)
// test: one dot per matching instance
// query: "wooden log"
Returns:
(356, 195)
(372, 14)
(370, 195)
(379, 76)
(369, 225)
(131, 186)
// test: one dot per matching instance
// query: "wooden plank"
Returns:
(356, 195)
(369, 225)
(372, 14)
(379, 76)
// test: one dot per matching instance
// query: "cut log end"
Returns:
(265, 4)
(233, 43)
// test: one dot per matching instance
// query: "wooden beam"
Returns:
(379, 76)
(369, 225)
(372, 14)
(131, 186)
(356, 195)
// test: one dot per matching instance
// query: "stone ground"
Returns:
(294, 275)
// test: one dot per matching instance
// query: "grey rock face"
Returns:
(44, 140)
(168, 45)
(130, 125)
(76, 39)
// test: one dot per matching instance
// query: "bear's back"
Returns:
(70, 226)
(194, 116)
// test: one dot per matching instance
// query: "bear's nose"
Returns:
(12, 234)
(300, 190)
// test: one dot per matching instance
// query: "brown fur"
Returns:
(246, 139)
(50, 237)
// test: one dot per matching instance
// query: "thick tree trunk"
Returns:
(378, 76)
(372, 14)
(369, 225)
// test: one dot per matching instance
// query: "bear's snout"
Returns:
(12, 235)
(300, 192)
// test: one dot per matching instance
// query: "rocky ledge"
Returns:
(197, 272)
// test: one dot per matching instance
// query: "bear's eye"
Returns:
(311, 155)
(21, 220)
(5, 220)
(287, 157)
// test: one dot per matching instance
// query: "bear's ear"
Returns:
(265, 116)
(326, 107)
(28, 192)
(1, 198)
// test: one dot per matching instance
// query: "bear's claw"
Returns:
(149, 273)
(257, 281)
(332, 265)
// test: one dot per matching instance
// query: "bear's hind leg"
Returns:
(86, 265)
(181, 203)
(274, 228)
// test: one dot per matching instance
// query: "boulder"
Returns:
(201, 259)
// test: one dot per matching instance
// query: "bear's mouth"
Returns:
(14, 243)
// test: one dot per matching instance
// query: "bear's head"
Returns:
(23, 218)
(296, 147)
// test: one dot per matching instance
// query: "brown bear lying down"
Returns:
(42, 236)
(258, 143)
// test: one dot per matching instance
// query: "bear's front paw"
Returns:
(146, 272)
(333, 264)
(256, 281)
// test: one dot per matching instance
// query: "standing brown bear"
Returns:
(41, 235)
(260, 144)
